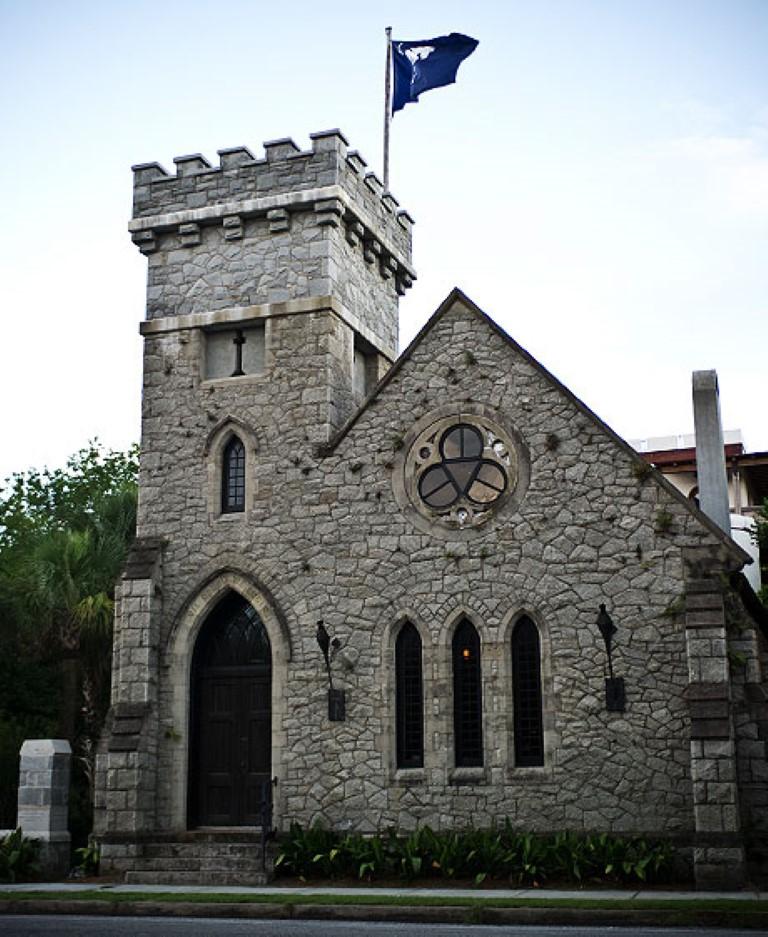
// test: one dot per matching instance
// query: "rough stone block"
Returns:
(279, 220)
(43, 799)
(233, 227)
(710, 728)
(189, 234)
(719, 868)
(704, 618)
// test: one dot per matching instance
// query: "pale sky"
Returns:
(597, 181)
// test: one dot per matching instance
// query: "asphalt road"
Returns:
(75, 926)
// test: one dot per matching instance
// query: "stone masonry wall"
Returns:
(289, 409)
(327, 536)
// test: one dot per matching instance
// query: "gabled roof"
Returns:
(457, 296)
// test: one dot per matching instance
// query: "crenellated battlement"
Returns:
(291, 225)
(329, 179)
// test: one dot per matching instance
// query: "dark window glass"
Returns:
(233, 636)
(233, 477)
(467, 696)
(409, 699)
(526, 691)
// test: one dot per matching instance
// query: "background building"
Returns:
(747, 474)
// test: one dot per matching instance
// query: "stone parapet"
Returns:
(205, 192)
(294, 226)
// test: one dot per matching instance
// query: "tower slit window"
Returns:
(364, 365)
(409, 696)
(526, 693)
(233, 477)
(467, 697)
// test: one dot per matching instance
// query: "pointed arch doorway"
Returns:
(231, 717)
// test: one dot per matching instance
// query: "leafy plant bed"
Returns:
(487, 886)
(18, 856)
(501, 856)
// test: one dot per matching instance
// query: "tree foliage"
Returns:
(35, 502)
(760, 536)
(64, 535)
(761, 531)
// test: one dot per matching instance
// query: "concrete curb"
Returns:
(415, 914)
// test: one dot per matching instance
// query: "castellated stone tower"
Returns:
(272, 304)
(272, 300)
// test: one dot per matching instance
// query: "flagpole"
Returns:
(387, 106)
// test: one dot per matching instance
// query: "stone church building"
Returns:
(467, 532)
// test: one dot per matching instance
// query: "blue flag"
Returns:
(425, 64)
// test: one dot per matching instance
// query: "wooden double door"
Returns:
(230, 764)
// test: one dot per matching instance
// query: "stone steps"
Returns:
(199, 863)
(202, 850)
(199, 859)
(196, 878)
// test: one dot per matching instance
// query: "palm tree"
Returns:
(68, 582)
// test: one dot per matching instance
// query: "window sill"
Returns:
(474, 775)
(230, 517)
(405, 777)
(530, 773)
(224, 381)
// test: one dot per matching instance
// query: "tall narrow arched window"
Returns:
(526, 692)
(467, 696)
(409, 699)
(233, 477)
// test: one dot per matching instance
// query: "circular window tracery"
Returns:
(459, 470)
(462, 471)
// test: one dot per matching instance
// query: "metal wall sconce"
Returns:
(614, 686)
(337, 704)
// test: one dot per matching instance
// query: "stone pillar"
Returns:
(710, 450)
(43, 811)
(719, 847)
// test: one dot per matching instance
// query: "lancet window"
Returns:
(409, 715)
(233, 477)
(467, 696)
(526, 694)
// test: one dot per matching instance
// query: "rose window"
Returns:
(462, 472)
(459, 471)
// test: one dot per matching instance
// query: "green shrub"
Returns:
(90, 857)
(502, 853)
(18, 856)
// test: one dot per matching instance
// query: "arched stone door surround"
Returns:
(230, 755)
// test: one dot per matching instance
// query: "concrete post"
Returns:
(710, 450)
(43, 810)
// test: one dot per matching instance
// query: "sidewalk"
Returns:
(489, 894)
(510, 906)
